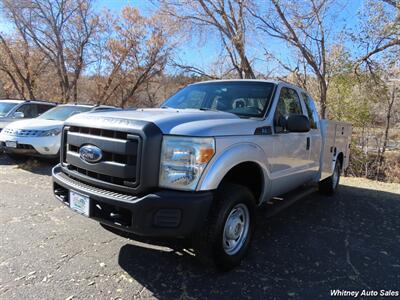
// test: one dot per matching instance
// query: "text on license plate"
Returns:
(79, 203)
(11, 144)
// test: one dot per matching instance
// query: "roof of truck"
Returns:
(252, 80)
(233, 80)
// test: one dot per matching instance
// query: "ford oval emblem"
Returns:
(90, 153)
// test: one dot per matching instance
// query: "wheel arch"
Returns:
(248, 174)
(248, 170)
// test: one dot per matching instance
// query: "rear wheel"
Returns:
(329, 185)
(225, 239)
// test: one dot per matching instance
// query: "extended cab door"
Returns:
(290, 161)
(315, 135)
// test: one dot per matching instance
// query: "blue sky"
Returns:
(205, 53)
(202, 54)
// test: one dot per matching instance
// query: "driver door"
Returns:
(290, 154)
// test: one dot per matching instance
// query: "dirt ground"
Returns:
(347, 242)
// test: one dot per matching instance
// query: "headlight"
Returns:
(183, 160)
(51, 132)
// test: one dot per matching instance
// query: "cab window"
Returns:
(242, 98)
(311, 111)
(192, 99)
(288, 104)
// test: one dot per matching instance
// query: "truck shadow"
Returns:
(40, 166)
(349, 241)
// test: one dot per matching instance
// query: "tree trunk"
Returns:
(244, 62)
(381, 153)
(15, 84)
(248, 71)
(388, 118)
(30, 91)
(75, 92)
(323, 96)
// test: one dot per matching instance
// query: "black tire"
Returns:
(208, 243)
(329, 185)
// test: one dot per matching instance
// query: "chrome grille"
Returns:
(22, 132)
(119, 164)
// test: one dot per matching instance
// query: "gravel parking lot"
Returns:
(350, 241)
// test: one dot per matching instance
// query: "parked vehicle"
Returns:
(13, 110)
(41, 136)
(198, 167)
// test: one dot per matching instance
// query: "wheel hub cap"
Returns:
(236, 229)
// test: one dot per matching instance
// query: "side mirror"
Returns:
(298, 123)
(19, 115)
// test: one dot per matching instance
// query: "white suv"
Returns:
(41, 136)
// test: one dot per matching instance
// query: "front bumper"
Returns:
(164, 213)
(35, 146)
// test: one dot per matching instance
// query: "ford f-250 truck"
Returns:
(198, 167)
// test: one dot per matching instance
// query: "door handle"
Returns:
(308, 143)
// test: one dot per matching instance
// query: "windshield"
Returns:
(61, 113)
(245, 99)
(5, 107)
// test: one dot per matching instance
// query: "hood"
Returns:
(192, 122)
(36, 124)
(5, 121)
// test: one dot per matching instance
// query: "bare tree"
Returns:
(389, 112)
(227, 17)
(388, 99)
(135, 52)
(61, 29)
(297, 72)
(380, 30)
(21, 63)
(194, 70)
(305, 29)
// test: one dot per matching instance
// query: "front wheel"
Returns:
(329, 185)
(225, 239)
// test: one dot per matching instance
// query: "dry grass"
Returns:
(371, 184)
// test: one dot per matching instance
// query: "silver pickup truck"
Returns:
(199, 166)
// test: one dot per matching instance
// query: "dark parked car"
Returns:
(13, 110)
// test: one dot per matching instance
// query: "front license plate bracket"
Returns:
(11, 144)
(79, 203)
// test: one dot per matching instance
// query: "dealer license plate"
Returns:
(79, 203)
(11, 144)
